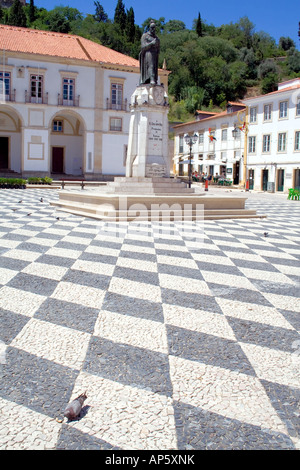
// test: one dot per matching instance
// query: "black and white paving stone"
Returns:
(179, 344)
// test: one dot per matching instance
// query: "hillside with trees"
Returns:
(209, 65)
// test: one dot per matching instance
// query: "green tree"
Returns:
(32, 12)
(130, 25)
(174, 25)
(199, 26)
(267, 67)
(247, 28)
(120, 15)
(194, 98)
(216, 79)
(17, 15)
(100, 15)
(286, 43)
(269, 83)
(293, 60)
(160, 24)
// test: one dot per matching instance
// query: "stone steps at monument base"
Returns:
(160, 186)
(107, 213)
(145, 191)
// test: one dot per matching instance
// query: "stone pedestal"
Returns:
(147, 154)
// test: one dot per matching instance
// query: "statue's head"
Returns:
(152, 27)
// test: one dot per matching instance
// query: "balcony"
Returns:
(42, 98)
(120, 106)
(61, 101)
(10, 96)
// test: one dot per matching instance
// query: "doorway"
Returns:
(296, 179)
(236, 173)
(265, 177)
(251, 179)
(280, 180)
(4, 153)
(57, 160)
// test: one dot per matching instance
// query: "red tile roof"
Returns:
(214, 116)
(281, 90)
(33, 41)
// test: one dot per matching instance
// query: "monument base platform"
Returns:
(152, 199)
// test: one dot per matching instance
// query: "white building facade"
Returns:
(254, 143)
(273, 153)
(218, 150)
(64, 104)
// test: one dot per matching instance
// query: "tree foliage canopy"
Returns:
(209, 65)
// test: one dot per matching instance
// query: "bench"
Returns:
(63, 182)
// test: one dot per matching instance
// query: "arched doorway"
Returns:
(10, 140)
(67, 144)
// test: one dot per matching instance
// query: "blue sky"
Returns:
(274, 17)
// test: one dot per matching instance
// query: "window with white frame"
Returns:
(298, 107)
(252, 144)
(36, 88)
(181, 144)
(224, 134)
(224, 157)
(297, 140)
(201, 138)
(283, 109)
(116, 124)
(253, 114)
(68, 89)
(266, 143)
(267, 112)
(116, 95)
(281, 142)
(5, 84)
(57, 126)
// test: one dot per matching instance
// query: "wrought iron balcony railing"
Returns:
(40, 98)
(119, 106)
(61, 101)
(10, 96)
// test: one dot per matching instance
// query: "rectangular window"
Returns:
(266, 143)
(181, 144)
(224, 134)
(297, 140)
(224, 157)
(283, 107)
(253, 114)
(68, 89)
(282, 142)
(298, 107)
(201, 138)
(116, 95)
(115, 124)
(36, 88)
(5, 84)
(252, 144)
(267, 112)
(57, 126)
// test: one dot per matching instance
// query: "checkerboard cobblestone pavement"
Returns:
(179, 345)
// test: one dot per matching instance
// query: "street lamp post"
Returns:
(244, 127)
(190, 141)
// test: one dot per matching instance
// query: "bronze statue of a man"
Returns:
(150, 46)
